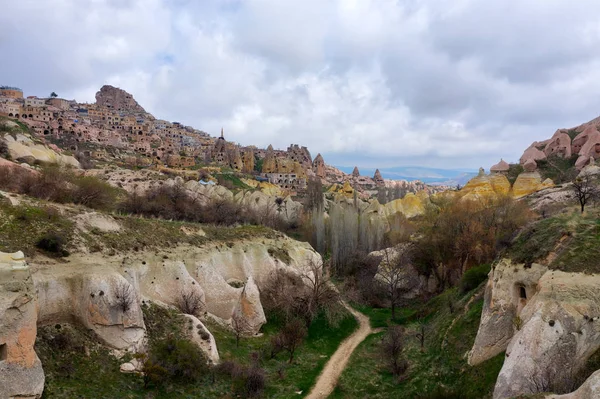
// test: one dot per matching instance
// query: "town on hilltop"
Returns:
(116, 127)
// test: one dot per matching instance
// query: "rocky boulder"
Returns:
(117, 99)
(484, 185)
(561, 330)
(528, 183)
(97, 297)
(21, 373)
(559, 144)
(23, 147)
(500, 167)
(507, 291)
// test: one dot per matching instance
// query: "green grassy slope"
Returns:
(77, 366)
(440, 370)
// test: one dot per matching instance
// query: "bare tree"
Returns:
(394, 275)
(292, 336)
(190, 302)
(301, 296)
(421, 333)
(392, 350)
(241, 326)
(124, 296)
(585, 187)
(322, 295)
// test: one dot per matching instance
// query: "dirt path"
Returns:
(333, 369)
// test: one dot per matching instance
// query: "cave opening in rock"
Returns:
(3, 352)
(522, 292)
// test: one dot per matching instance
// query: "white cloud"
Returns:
(382, 82)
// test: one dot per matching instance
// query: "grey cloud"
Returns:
(454, 84)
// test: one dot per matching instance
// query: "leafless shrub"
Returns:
(393, 273)
(303, 296)
(190, 302)
(291, 337)
(241, 326)
(4, 152)
(392, 350)
(124, 296)
(585, 188)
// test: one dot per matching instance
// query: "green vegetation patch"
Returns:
(560, 170)
(24, 227)
(580, 252)
(283, 379)
(77, 366)
(572, 237)
(450, 322)
(514, 170)
(139, 233)
(231, 181)
(536, 241)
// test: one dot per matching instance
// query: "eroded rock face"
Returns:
(589, 389)
(560, 330)
(203, 338)
(21, 373)
(484, 185)
(100, 299)
(529, 182)
(117, 99)
(22, 147)
(223, 277)
(508, 290)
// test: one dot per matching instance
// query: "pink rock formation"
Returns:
(117, 99)
(500, 167)
(355, 172)
(533, 153)
(530, 165)
(560, 144)
(378, 178)
(318, 166)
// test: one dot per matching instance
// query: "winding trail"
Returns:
(332, 371)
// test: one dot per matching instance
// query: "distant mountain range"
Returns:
(450, 177)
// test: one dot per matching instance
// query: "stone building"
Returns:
(33, 101)
(11, 92)
(59, 103)
(290, 181)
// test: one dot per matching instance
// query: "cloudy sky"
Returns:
(452, 84)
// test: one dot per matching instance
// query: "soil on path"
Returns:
(330, 375)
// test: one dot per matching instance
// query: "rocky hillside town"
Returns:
(117, 128)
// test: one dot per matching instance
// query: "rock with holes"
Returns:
(507, 291)
(100, 299)
(560, 331)
(21, 373)
(200, 335)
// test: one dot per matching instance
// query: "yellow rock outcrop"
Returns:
(486, 185)
(529, 182)
(411, 205)
(497, 185)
